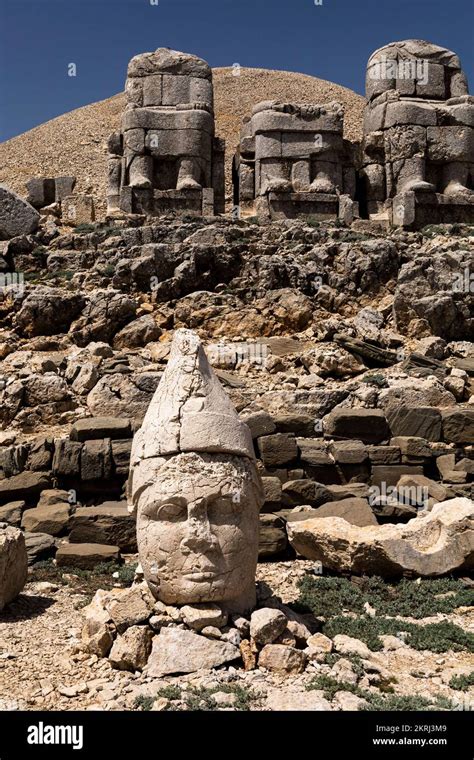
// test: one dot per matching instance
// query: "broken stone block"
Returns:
(67, 458)
(93, 428)
(433, 544)
(178, 651)
(266, 625)
(11, 513)
(96, 460)
(272, 538)
(27, 484)
(108, 523)
(53, 519)
(260, 423)
(349, 452)
(355, 511)
(129, 607)
(423, 422)
(13, 564)
(306, 491)
(17, 217)
(458, 426)
(131, 650)
(277, 449)
(282, 659)
(366, 425)
(78, 209)
(198, 616)
(86, 556)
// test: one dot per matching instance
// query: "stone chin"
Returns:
(197, 528)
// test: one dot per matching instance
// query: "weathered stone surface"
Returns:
(67, 457)
(355, 511)
(130, 606)
(349, 452)
(108, 523)
(282, 659)
(39, 546)
(198, 616)
(131, 650)
(260, 423)
(26, 484)
(285, 700)
(366, 425)
(48, 311)
(17, 216)
(318, 643)
(98, 631)
(266, 625)
(195, 485)
(53, 519)
(94, 428)
(13, 564)
(458, 426)
(434, 544)
(11, 513)
(277, 449)
(86, 556)
(348, 645)
(272, 536)
(178, 651)
(424, 422)
(298, 492)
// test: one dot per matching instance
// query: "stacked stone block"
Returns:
(166, 157)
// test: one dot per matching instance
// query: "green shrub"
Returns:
(325, 596)
(463, 682)
(435, 637)
(143, 703)
(170, 692)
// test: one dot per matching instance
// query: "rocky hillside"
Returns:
(82, 133)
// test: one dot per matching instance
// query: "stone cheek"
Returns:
(198, 528)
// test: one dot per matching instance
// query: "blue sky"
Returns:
(39, 38)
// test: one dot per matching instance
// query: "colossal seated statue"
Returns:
(418, 149)
(166, 156)
(293, 160)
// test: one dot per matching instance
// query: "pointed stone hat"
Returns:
(190, 411)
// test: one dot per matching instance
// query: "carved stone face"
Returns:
(197, 527)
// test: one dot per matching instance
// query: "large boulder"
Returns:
(426, 289)
(17, 216)
(177, 651)
(13, 563)
(432, 544)
(48, 311)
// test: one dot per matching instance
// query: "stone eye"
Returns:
(172, 512)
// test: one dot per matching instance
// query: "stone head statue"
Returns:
(195, 488)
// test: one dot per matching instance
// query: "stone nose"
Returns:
(199, 536)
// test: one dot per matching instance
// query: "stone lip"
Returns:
(190, 411)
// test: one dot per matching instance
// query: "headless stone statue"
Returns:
(195, 488)
(418, 126)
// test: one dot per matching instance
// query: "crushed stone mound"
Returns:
(75, 143)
